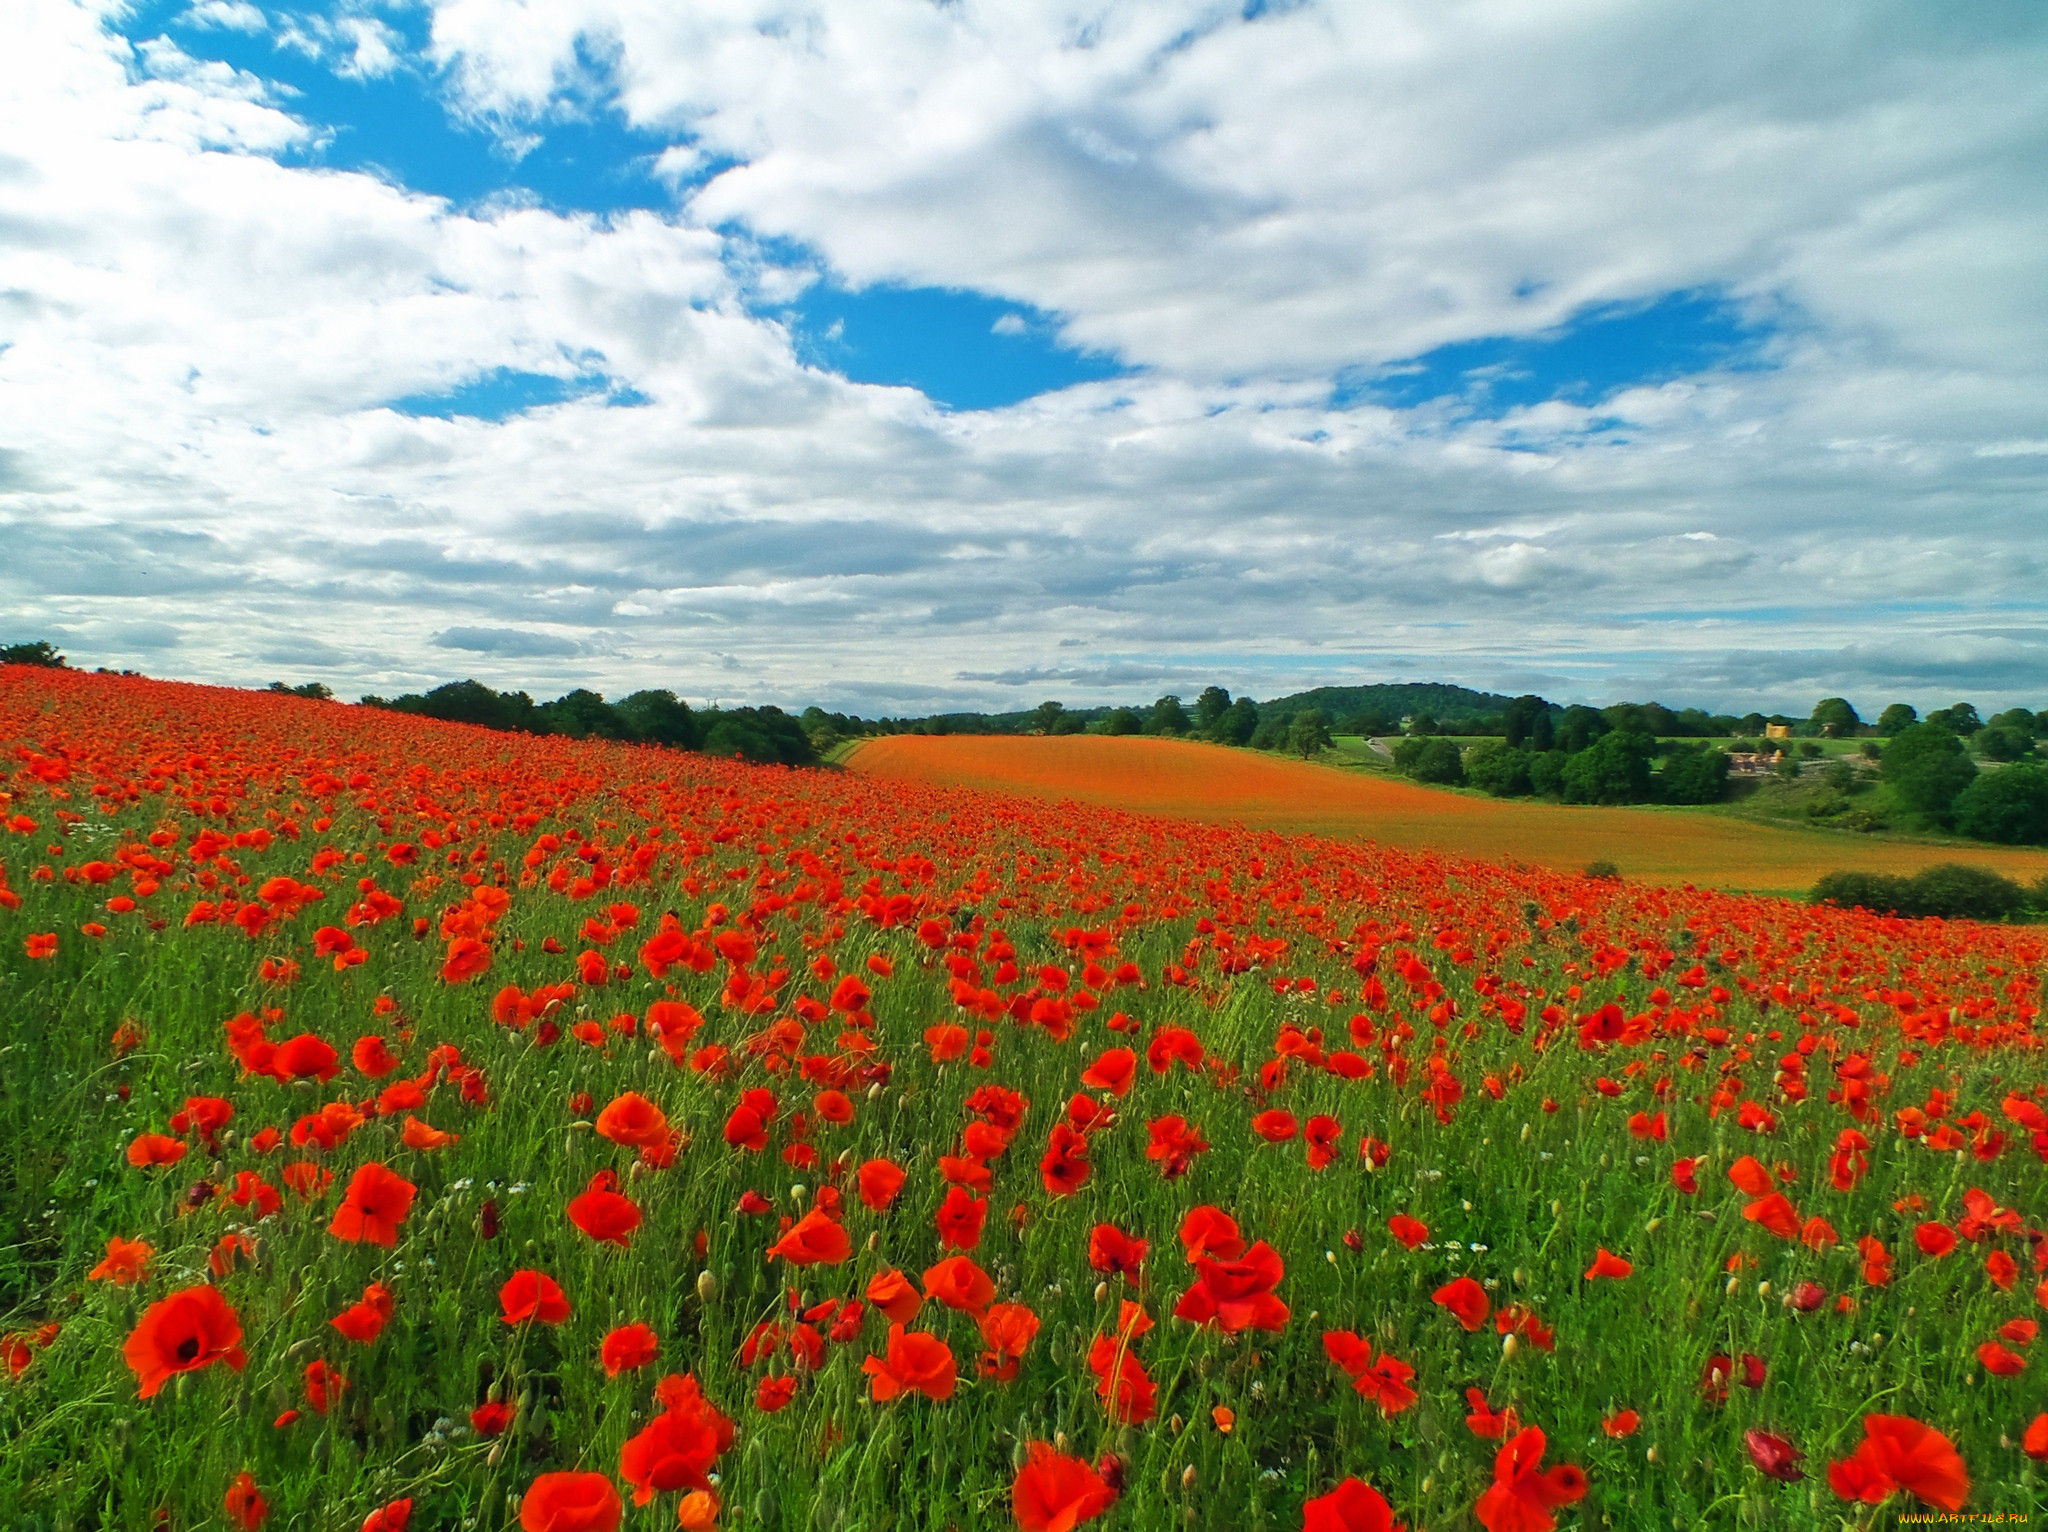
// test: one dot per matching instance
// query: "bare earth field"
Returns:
(1220, 785)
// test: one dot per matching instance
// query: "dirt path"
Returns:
(1217, 784)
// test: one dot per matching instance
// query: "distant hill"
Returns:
(1393, 702)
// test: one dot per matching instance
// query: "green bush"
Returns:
(1614, 769)
(1546, 772)
(2009, 806)
(1950, 890)
(1925, 767)
(1430, 759)
(1999, 742)
(1493, 768)
(1694, 774)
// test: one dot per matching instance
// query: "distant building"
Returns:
(1777, 731)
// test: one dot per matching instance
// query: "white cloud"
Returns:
(195, 459)
(228, 15)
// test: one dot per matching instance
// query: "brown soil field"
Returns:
(1216, 784)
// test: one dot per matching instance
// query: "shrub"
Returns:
(1546, 772)
(1925, 767)
(1429, 759)
(2009, 806)
(1605, 872)
(1694, 774)
(1493, 768)
(1613, 769)
(40, 653)
(1122, 721)
(2000, 742)
(1950, 889)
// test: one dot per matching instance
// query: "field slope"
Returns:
(1222, 786)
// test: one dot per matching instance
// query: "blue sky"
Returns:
(898, 356)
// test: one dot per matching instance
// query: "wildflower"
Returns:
(914, 1363)
(189, 1330)
(375, 1204)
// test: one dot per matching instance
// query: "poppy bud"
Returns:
(1178, 1425)
(1653, 1226)
(1101, 1291)
(798, 1192)
(1187, 1477)
(1649, 1454)
(1733, 1283)
(707, 1287)
(1508, 1347)
(1020, 1454)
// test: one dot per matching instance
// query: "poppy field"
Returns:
(409, 1126)
(1220, 785)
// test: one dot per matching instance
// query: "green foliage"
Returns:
(1614, 769)
(759, 734)
(40, 653)
(663, 718)
(1210, 707)
(2009, 806)
(1367, 724)
(1526, 721)
(1493, 767)
(1897, 719)
(1546, 772)
(1925, 767)
(1168, 717)
(1308, 735)
(2023, 720)
(1579, 727)
(1122, 721)
(1421, 726)
(1835, 718)
(1950, 890)
(1270, 733)
(312, 691)
(1430, 759)
(2000, 742)
(1693, 774)
(1238, 723)
(1958, 718)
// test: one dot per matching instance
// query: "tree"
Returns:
(1958, 717)
(1494, 767)
(2021, 720)
(1421, 726)
(1308, 735)
(1430, 758)
(1579, 727)
(663, 718)
(761, 734)
(312, 691)
(1522, 719)
(1996, 742)
(581, 714)
(1238, 723)
(1546, 772)
(1210, 708)
(1751, 723)
(1168, 717)
(2010, 807)
(1614, 769)
(40, 653)
(1836, 718)
(1122, 721)
(1694, 774)
(1896, 719)
(1925, 767)
(1048, 715)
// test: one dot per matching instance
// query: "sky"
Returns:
(914, 355)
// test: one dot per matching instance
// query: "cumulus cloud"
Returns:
(207, 327)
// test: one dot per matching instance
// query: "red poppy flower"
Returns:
(191, 1329)
(1608, 1267)
(627, 1348)
(1111, 1251)
(1353, 1506)
(1466, 1302)
(678, 1447)
(1127, 1391)
(490, 1418)
(816, 1237)
(1685, 1176)
(533, 1295)
(1113, 1071)
(151, 1149)
(633, 1122)
(1237, 1295)
(571, 1502)
(957, 1283)
(602, 1214)
(395, 1517)
(880, 1181)
(1064, 1170)
(323, 1386)
(2000, 1362)
(1175, 1143)
(897, 1297)
(1056, 1493)
(1897, 1453)
(126, 1263)
(1775, 1215)
(1773, 1455)
(1275, 1126)
(364, 1320)
(1523, 1495)
(915, 1363)
(1321, 1135)
(1935, 1239)
(1621, 1423)
(1409, 1231)
(1386, 1380)
(960, 1219)
(1008, 1330)
(374, 1206)
(2035, 1442)
(773, 1393)
(1210, 1231)
(245, 1506)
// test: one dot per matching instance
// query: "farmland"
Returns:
(1222, 786)
(404, 1126)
